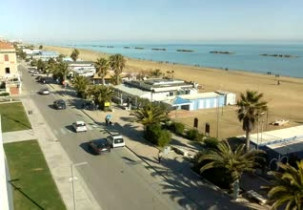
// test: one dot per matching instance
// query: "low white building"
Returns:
(82, 68)
(154, 89)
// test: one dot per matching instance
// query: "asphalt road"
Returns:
(116, 179)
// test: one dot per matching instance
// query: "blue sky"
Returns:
(155, 20)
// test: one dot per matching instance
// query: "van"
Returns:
(116, 140)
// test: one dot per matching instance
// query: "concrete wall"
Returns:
(6, 201)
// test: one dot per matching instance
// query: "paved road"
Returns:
(117, 180)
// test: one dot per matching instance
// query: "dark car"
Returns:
(60, 104)
(99, 146)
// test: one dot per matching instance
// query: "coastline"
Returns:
(284, 100)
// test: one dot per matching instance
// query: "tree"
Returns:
(40, 47)
(102, 66)
(60, 58)
(75, 54)
(250, 109)
(287, 187)
(60, 71)
(156, 73)
(51, 66)
(117, 63)
(80, 84)
(41, 66)
(235, 162)
(150, 113)
(100, 94)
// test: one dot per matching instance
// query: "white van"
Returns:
(116, 140)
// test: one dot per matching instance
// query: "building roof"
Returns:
(283, 141)
(131, 90)
(181, 101)
(6, 46)
(201, 95)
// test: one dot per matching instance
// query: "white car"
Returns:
(116, 140)
(80, 126)
(44, 91)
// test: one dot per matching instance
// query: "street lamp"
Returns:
(72, 179)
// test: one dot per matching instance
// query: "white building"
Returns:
(82, 68)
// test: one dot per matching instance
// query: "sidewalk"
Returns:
(56, 158)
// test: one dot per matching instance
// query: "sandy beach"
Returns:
(284, 100)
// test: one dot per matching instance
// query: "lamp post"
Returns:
(72, 179)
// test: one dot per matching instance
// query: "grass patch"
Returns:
(33, 185)
(13, 117)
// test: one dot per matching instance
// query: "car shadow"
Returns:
(70, 128)
(86, 148)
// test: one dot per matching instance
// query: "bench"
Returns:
(256, 196)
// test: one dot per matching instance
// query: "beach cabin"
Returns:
(229, 97)
(197, 101)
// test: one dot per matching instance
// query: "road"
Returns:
(117, 179)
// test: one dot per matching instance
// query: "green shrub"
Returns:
(156, 135)
(152, 133)
(164, 139)
(193, 134)
(218, 176)
(211, 142)
(178, 128)
(4, 94)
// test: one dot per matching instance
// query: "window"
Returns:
(6, 58)
(7, 71)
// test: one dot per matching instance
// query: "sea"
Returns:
(265, 58)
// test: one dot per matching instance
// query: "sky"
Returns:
(153, 20)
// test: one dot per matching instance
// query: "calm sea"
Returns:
(243, 57)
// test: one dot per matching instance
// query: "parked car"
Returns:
(60, 104)
(99, 146)
(44, 91)
(116, 140)
(79, 126)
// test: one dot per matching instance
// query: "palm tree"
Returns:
(80, 84)
(117, 63)
(75, 54)
(150, 113)
(250, 109)
(63, 70)
(235, 162)
(102, 66)
(41, 66)
(100, 94)
(287, 187)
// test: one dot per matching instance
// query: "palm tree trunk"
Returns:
(103, 81)
(236, 186)
(247, 140)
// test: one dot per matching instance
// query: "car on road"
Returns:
(99, 146)
(44, 91)
(116, 140)
(60, 104)
(79, 126)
